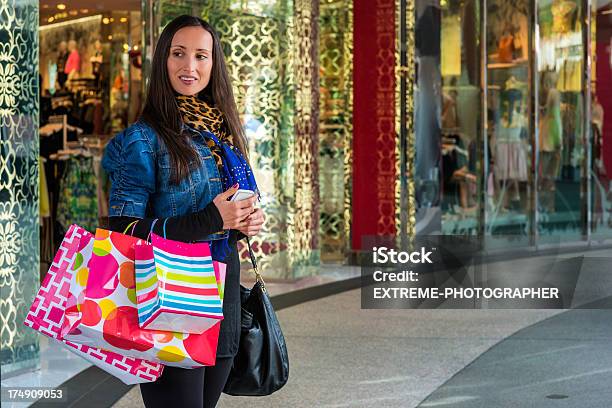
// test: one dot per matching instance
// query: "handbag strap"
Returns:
(258, 276)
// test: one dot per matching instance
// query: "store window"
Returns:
(510, 180)
(448, 168)
(562, 142)
(90, 90)
(521, 157)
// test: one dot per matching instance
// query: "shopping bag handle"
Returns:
(165, 221)
(151, 230)
(258, 276)
(131, 224)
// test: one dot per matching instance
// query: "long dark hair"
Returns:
(161, 109)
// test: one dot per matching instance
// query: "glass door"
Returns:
(509, 148)
(447, 121)
(562, 169)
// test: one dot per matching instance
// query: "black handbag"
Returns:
(261, 365)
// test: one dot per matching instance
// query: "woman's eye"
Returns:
(202, 57)
(177, 53)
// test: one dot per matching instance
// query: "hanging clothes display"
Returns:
(78, 201)
(44, 208)
(101, 181)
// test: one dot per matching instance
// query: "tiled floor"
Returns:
(345, 356)
(57, 365)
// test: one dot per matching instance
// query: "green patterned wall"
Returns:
(270, 47)
(335, 130)
(254, 56)
(19, 224)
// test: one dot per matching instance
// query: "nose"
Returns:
(191, 65)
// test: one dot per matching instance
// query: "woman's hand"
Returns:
(234, 213)
(253, 224)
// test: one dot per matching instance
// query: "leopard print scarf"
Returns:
(201, 115)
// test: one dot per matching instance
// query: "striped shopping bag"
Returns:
(176, 286)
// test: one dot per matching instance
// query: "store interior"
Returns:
(459, 172)
(90, 76)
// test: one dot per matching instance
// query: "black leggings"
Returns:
(187, 388)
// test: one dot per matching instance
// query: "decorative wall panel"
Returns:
(409, 154)
(335, 133)
(253, 55)
(374, 138)
(19, 225)
(270, 46)
(305, 216)
(281, 122)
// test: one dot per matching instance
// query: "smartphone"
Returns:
(242, 195)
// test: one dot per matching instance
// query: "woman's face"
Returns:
(190, 60)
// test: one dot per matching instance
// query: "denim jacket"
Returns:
(138, 164)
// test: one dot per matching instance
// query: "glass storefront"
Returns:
(509, 127)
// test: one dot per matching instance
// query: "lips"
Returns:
(188, 79)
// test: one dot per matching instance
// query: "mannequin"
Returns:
(73, 64)
(506, 45)
(551, 136)
(96, 61)
(62, 56)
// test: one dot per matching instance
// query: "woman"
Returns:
(182, 161)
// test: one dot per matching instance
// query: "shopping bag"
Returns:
(176, 286)
(106, 315)
(220, 271)
(46, 314)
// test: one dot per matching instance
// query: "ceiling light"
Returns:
(112, 20)
(123, 19)
(61, 6)
(51, 19)
(84, 11)
(105, 20)
(73, 12)
(126, 47)
(110, 37)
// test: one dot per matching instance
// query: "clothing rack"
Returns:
(63, 120)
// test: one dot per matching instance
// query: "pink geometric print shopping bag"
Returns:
(47, 314)
(108, 317)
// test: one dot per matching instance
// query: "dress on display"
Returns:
(73, 63)
(510, 160)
